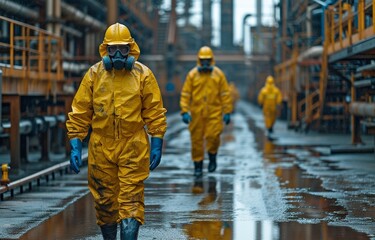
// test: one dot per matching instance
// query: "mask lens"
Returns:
(205, 62)
(124, 49)
(112, 49)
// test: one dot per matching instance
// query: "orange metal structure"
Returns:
(31, 63)
(350, 36)
(31, 60)
(346, 49)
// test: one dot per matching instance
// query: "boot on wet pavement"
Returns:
(109, 231)
(198, 169)
(129, 228)
(212, 163)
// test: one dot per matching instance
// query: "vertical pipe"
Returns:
(284, 16)
(356, 139)
(14, 136)
(226, 20)
(257, 40)
(112, 14)
(11, 46)
(259, 13)
(1, 98)
(187, 7)
(57, 15)
(49, 15)
(206, 22)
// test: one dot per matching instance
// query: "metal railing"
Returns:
(27, 181)
(31, 59)
(347, 24)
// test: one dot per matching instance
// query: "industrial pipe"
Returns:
(364, 83)
(362, 109)
(18, 9)
(81, 17)
(67, 9)
(1, 97)
(37, 124)
(313, 52)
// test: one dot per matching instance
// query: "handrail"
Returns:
(38, 175)
(341, 19)
(38, 51)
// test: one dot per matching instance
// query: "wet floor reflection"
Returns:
(259, 192)
(310, 206)
(210, 205)
(77, 221)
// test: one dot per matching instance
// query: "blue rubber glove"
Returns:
(186, 118)
(226, 118)
(75, 154)
(155, 155)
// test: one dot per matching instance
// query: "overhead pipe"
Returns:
(72, 31)
(81, 17)
(66, 9)
(365, 83)
(313, 52)
(362, 109)
(19, 9)
(96, 5)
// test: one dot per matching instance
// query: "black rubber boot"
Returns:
(212, 163)
(129, 229)
(109, 231)
(198, 169)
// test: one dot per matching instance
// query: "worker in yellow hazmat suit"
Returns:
(205, 103)
(117, 97)
(269, 98)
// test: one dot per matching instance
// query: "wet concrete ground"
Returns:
(262, 189)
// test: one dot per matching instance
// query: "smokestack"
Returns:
(206, 22)
(227, 24)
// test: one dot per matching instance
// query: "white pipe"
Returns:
(309, 10)
(310, 53)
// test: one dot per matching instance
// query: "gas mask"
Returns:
(205, 65)
(118, 58)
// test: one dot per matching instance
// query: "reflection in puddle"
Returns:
(77, 221)
(214, 226)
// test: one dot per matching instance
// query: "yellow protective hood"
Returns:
(270, 81)
(205, 53)
(119, 34)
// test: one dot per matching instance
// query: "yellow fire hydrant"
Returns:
(5, 170)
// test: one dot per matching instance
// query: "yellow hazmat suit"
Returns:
(206, 96)
(117, 104)
(269, 98)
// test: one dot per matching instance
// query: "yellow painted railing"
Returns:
(345, 25)
(348, 25)
(30, 59)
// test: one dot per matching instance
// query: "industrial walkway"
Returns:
(296, 186)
